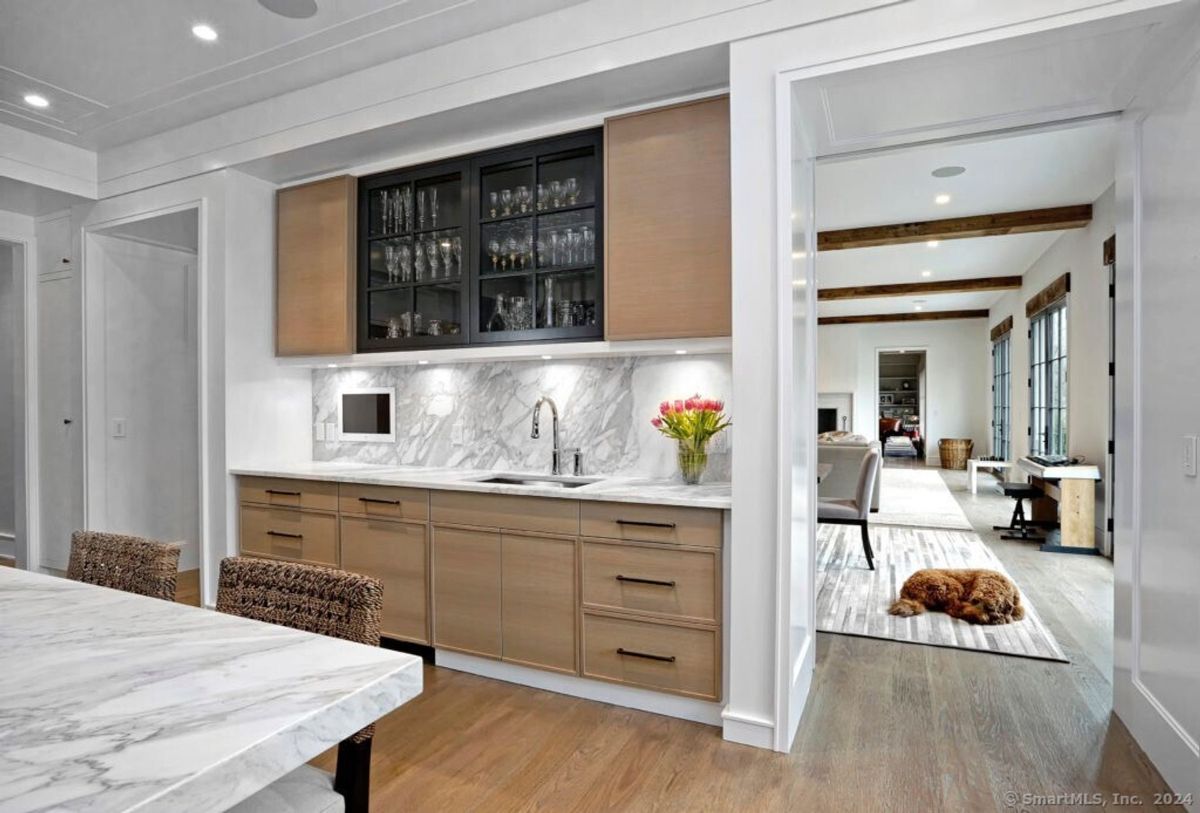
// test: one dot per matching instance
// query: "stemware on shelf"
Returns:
(571, 190)
(406, 263)
(433, 206)
(494, 249)
(556, 194)
(419, 266)
(520, 315)
(541, 196)
(549, 301)
(523, 198)
(588, 246)
(446, 249)
(457, 249)
(506, 201)
(422, 207)
(510, 252)
(493, 204)
(406, 199)
(431, 256)
(389, 262)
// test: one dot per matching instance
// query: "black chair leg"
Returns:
(353, 776)
(1018, 518)
(866, 539)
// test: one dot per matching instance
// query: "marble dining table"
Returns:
(117, 702)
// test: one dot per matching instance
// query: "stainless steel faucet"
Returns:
(558, 452)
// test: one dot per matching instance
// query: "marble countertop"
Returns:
(606, 489)
(114, 702)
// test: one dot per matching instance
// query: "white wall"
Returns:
(151, 388)
(955, 380)
(8, 379)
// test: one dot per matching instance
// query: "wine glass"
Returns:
(431, 254)
(588, 244)
(494, 253)
(506, 201)
(493, 203)
(527, 250)
(576, 237)
(446, 248)
(389, 262)
(523, 198)
(458, 254)
(571, 190)
(419, 276)
(406, 259)
(568, 245)
(556, 194)
(555, 247)
(406, 198)
(543, 247)
(422, 206)
(433, 206)
(510, 250)
(541, 196)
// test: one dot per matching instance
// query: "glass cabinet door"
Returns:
(538, 242)
(413, 268)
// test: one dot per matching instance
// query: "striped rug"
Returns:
(852, 600)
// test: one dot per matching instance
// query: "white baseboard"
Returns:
(669, 705)
(8, 545)
(746, 729)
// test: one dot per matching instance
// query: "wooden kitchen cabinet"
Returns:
(538, 601)
(316, 227)
(394, 553)
(466, 590)
(667, 209)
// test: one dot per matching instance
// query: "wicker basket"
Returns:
(955, 452)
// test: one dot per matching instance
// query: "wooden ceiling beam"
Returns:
(957, 228)
(911, 316)
(949, 286)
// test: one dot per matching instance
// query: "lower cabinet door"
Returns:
(466, 590)
(539, 601)
(394, 553)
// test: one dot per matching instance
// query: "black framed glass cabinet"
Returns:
(501, 247)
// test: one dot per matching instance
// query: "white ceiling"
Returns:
(118, 72)
(33, 201)
(1025, 170)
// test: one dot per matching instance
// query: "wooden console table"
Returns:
(1069, 497)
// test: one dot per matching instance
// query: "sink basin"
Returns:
(539, 480)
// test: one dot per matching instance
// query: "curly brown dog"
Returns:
(977, 596)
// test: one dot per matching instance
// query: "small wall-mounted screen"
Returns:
(367, 413)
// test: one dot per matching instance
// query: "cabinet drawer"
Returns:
(544, 514)
(314, 495)
(655, 656)
(286, 533)
(385, 502)
(651, 523)
(663, 581)
(394, 553)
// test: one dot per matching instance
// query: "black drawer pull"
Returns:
(631, 653)
(379, 501)
(279, 493)
(646, 524)
(637, 580)
(285, 535)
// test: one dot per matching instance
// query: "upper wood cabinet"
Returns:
(314, 272)
(668, 266)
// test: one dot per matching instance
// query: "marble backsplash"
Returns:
(477, 415)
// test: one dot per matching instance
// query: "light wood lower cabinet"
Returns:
(683, 660)
(287, 533)
(466, 590)
(396, 554)
(538, 606)
(677, 584)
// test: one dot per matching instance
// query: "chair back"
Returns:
(304, 597)
(128, 563)
(868, 474)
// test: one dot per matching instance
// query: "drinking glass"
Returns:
(431, 255)
(576, 238)
(458, 255)
(555, 248)
(384, 204)
(406, 198)
(571, 190)
(446, 248)
(493, 204)
(568, 240)
(406, 263)
(422, 206)
(499, 320)
(494, 253)
(406, 324)
(389, 262)
(523, 198)
(565, 316)
(548, 300)
(395, 329)
(506, 201)
(556, 194)
(543, 246)
(541, 196)
(519, 315)
(588, 244)
(510, 251)
(419, 275)
(397, 211)
(433, 206)
(436, 327)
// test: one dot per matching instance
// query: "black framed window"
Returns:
(1002, 397)
(1048, 381)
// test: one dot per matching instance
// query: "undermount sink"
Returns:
(539, 480)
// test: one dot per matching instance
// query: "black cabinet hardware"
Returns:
(279, 493)
(645, 523)
(378, 501)
(637, 580)
(647, 655)
(285, 534)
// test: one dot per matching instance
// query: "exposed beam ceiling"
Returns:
(950, 286)
(955, 228)
(915, 316)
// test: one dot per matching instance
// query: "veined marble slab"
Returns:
(116, 702)
(606, 489)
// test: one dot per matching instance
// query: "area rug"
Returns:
(919, 498)
(852, 600)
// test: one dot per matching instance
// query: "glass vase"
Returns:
(693, 460)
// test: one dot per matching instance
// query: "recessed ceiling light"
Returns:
(36, 100)
(547, 358)
(932, 244)
(927, 273)
(330, 365)
(942, 199)
(422, 361)
(204, 32)
(681, 352)
(918, 307)
(799, 283)
(799, 255)
(948, 171)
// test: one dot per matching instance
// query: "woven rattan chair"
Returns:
(327, 602)
(127, 563)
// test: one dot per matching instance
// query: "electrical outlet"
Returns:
(331, 431)
(456, 433)
(118, 427)
(319, 431)
(1189, 455)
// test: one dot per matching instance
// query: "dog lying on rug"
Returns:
(977, 596)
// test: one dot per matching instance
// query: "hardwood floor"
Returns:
(187, 588)
(889, 726)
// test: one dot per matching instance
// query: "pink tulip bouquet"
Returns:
(692, 424)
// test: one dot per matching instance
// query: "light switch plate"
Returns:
(1189, 455)
(118, 427)
(319, 431)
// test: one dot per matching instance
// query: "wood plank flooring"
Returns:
(889, 727)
